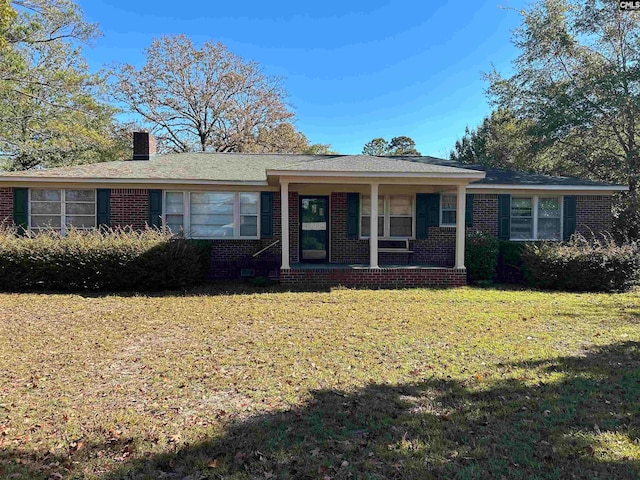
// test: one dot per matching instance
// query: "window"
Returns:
(212, 214)
(536, 218)
(61, 209)
(248, 215)
(365, 221)
(174, 211)
(400, 216)
(448, 206)
(395, 216)
(522, 218)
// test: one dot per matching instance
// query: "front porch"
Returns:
(342, 241)
(372, 221)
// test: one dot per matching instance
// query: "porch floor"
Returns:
(358, 266)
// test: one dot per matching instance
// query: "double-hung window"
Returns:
(60, 209)
(212, 215)
(365, 219)
(395, 216)
(448, 206)
(536, 218)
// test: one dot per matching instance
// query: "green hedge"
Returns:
(582, 265)
(481, 257)
(100, 260)
(510, 268)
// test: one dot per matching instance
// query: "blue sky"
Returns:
(354, 70)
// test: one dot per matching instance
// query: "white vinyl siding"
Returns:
(211, 215)
(60, 209)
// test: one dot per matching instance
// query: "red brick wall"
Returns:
(6, 205)
(384, 277)
(229, 256)
(129, 208)
(343, 249)
(485, 214)
(593, 214)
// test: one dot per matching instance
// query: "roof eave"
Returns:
(524, 186)
(137, 181)
(471, 175)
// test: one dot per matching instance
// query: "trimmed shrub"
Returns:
(510, 269)
(118, 259)
(481, 257)
(582, 265)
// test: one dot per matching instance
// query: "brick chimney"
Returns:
(144, 146)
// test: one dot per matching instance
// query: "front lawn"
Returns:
(462, 383)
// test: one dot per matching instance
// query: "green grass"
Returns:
(462, 383)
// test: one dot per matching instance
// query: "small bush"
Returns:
(99, 260)
(510, 269)
(582, 265)
(481, 257)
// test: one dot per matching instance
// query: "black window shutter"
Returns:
(155, 208)
(103, 207)
(504, 216)
(353, 215)
(468, 214)
(266, 214)
(433, 209)
(569, 220)
(21, 209)
(427, 213)
(422, 229)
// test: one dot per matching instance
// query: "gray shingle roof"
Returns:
(243, 167)
(496, 176)
(180, 166)
(367, 164)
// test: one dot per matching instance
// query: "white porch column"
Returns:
(284, 214)
(460, 225)
(373, 231)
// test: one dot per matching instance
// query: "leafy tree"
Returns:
(577, 80)
(397, 146)
(7, 16)
(320, 149)
(280, 138)
(49, 108)
(204, 98)
(377, 147)
(501, 141)
(403, 146)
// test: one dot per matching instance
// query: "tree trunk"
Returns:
(633, 161)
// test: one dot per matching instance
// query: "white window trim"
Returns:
(387, 217)
(63, 208)
(186, 220)
(535, 200)
(448, 225)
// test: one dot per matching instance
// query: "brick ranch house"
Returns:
(310, 215)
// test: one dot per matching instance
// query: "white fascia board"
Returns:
(137, 181)
(473, 175)
(595, 188)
